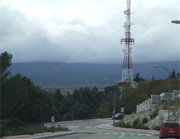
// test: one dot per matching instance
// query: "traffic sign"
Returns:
(122, 109)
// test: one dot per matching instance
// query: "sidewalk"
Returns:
(109, 126)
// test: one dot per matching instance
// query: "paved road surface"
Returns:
(88, 129)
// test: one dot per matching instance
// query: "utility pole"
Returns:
(114, 107)
(158, 66)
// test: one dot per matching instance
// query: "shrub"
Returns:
(10, 123)
(154, 114)
(26, 129)
(156, 128)
(164, 107)
(136, 123)
(145, 120)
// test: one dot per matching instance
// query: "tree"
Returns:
(24, 101)
(137, 78)
(173, 74)
(5, 62)
(153, 78)
(58, 95)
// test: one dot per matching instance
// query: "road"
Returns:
(88, 129)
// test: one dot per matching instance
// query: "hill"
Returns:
(75, 75)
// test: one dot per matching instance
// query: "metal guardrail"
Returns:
(156, 99)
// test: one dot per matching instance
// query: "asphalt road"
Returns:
(88, 129)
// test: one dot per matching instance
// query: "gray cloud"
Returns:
(60, 36)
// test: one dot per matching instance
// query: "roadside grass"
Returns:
(28, 129)
(174, 104)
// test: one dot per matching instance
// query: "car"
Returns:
(118, 116)
(170, 129)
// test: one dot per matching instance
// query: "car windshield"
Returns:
(171, 125)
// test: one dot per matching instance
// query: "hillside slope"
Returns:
(73, 75)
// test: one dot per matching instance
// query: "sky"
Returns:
(88, 31)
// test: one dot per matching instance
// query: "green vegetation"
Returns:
(173, 103)
(24, 103)
(17, 127)
(130, 97)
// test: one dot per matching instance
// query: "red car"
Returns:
(170, 130)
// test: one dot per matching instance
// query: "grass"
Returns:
(173, 103)
(30, 129)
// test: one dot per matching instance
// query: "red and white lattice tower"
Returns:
(127, 72)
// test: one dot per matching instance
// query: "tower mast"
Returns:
(127, 72)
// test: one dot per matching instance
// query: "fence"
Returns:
(156, 99)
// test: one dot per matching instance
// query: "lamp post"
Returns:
(114, 102)
(114, 108)
(158, 66)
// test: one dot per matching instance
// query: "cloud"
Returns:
(87, 31)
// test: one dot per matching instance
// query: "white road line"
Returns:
(107, 133)
(148, 135)
(88, 126)
(115, 133)
(99, 133)
(140, 134)
(131, 134)
(72, 127)
(122, 135)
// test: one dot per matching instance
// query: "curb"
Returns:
(41, 135)
(47, 135)
(110, 127)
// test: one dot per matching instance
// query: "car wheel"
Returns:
(160, 137)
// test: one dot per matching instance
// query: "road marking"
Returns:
(131, 134)
(99, 133)
(148, 135)
(140, 134)
(107, 133)
(72, 127)
(122, 135)
(115, 133)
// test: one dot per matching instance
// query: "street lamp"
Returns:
(114, 108)
(158, 66)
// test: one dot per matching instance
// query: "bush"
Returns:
(11, 123)
(164, 107)
(9, 130)
(145, 120)
(136, 123)
(156, 128)
(154, 114)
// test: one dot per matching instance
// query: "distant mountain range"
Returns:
(74, 75)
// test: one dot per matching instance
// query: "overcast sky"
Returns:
(88, 30)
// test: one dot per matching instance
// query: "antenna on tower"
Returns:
(127, 72)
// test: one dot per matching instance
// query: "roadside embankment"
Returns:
(150, 119)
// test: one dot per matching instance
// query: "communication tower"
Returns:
(127, 72)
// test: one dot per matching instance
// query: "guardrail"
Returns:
(156, 99)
